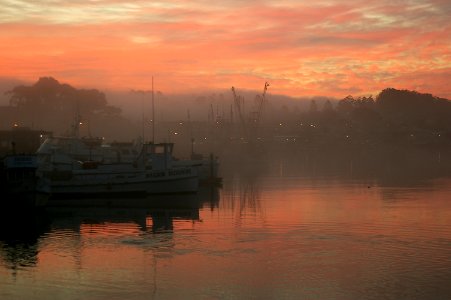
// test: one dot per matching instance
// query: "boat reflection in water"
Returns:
(72, 226)
(19, 237)
(151, 214)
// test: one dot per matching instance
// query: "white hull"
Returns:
(183, 180)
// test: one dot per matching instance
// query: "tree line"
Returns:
(395, 116)
(51, 105)
(392, 116)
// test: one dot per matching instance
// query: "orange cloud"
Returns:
(321, 48)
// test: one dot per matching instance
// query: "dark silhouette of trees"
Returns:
(395, 116)
(346, 105)
(49, 95)
(51, 105)
(413, 109)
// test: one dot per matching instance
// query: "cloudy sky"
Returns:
(303, 48)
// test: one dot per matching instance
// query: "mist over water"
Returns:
(273, 231)
(346, 200)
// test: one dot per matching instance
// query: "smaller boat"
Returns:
(20, 186)
(207, 168)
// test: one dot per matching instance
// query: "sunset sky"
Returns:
(303, 48)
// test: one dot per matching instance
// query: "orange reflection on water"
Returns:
(289, 238)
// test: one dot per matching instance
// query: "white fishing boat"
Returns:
(75, 168)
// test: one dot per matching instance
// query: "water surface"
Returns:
(267, 237)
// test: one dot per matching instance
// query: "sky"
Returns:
(302, 48)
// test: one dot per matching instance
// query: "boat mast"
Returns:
(153, 115)
(143, 119)
(77, 121)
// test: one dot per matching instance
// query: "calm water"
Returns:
(262, 238)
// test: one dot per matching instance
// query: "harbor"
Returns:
(245, 205)
(72, 167)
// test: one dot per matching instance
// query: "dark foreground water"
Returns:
(272, 237)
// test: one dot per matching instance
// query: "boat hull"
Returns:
(107, 185)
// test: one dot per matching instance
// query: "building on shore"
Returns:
(21, 140)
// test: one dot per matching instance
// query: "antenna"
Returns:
(153, 115)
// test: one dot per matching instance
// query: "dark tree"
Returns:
(414, 109)
(49, 104)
